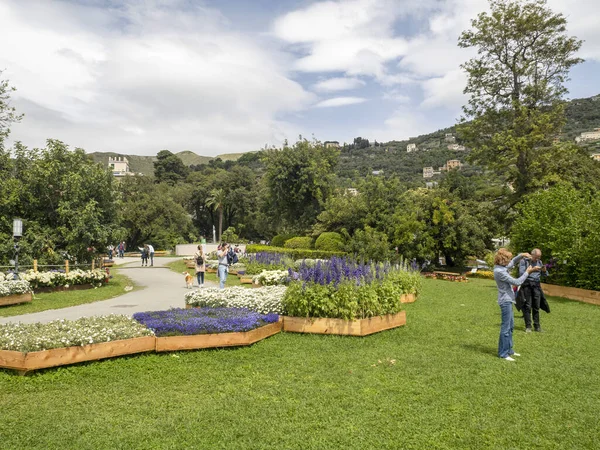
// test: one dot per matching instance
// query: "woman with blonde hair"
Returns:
(503, 262)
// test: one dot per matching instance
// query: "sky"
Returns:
(228, 76)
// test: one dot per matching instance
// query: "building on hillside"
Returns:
(456, 147)
(431, 184)
(427, 172)
(377, 172)
(451, 164)
(596, 156)
(411, 148)
(351, 191)
(119, 166)
(331, 144)
(589, 136)
(450, 138)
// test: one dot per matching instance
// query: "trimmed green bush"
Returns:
(330, 242)
(293, 253)
(280, 239)
(299, 242)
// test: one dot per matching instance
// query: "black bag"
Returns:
(199, 260)
(231, 257)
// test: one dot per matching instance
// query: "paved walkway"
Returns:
(163, 289)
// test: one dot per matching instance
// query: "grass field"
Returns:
(64, 299)
(434, 384)
(232, 280)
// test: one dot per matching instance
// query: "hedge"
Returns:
(294, 253)
(299, 242)
(280, 239)
(330, 242)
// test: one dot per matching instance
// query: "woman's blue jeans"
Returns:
(505, 343)
(222, 271)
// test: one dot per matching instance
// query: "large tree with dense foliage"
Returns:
(298, 181)
(516, 85)
(169, 168)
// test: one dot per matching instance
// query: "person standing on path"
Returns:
(506, 297)
(532, 290)
(144, 251)
(151, 254)
(200, 260)
(223, 263)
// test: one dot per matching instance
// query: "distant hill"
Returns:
(145, 164)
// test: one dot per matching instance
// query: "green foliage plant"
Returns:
(293, 253)
(280, 239)
(330, 242)
(304, 242)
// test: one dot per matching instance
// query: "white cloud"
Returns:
(340, 101)
(144, 76)
(338, 84)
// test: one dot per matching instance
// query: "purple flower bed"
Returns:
(185, 322)
(339, 269)
(267, 258)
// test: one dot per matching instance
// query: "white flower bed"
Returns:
(14, 287)
(52, 279)
(34, 337)
(265, 300)
(272, 277)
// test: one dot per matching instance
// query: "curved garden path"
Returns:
(161, 289)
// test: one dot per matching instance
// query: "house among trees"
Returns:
(411, 148)
(331, 144)
(119, 166)
(451, 164)
(427, 172)
(450, 138)
(589, 136)
(351, 191)
(596, 156)
(456, 147)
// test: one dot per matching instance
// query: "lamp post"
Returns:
(17, 234)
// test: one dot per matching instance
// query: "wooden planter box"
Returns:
(208, 270)
(24, 362)
(72, 287)
(246, 280)
(360, 327)
(580, 295)
(16, 299)
(190, 265)
(408, 298)
(198, 341)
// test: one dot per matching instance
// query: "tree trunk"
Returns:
(220, 223)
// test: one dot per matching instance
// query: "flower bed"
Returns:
(486, 274)
(265, 300)
(187, 329)
(446, 276)
(95, 277)
(272, 278)
(15, 292)
(361, 327)
(344, 289)
(266, 261)
(27, 347)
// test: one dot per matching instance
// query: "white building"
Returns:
(427, 172)
(596, 156)
(589, 136)
(456, 147)
(331, 144)
(119, 166)
(411, 148)
(451, 164)
(377, 172)
(431, 184)
(450, 138)
(351, 191)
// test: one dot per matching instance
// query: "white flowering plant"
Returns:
(95, 277)
(35, 337)
(14, 287)
(265, 300)
(272, 277)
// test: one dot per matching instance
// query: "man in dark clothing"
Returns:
(532, 290)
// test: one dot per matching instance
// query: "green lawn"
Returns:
(232, 280)
(57, 300)
(434, 384)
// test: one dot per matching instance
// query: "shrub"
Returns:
(487, 274)
(293, 253)
(186, 322)
(264, 300)
(280, 239)
(272, 277)
(34, 337)
(299, 242)
(330, 242)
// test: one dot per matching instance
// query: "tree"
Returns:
(8, 113)
(216, 201)
(169, 168)
(516, 87)
(298, 181)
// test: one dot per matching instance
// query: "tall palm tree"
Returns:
(216, 201)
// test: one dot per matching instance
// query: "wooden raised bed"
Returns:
(24, 362)
(72, 287)
(360, 327)
(408, 298)
(580, 295)
(15, 299)
(246, 280)
(209, 270)
(198, 341)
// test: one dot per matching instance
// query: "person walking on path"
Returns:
(506, 297)
(151, 254)
(223, 263)
(122, 249)
(110, 249)
(532, 290)
(144, 251)
(200, 260)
